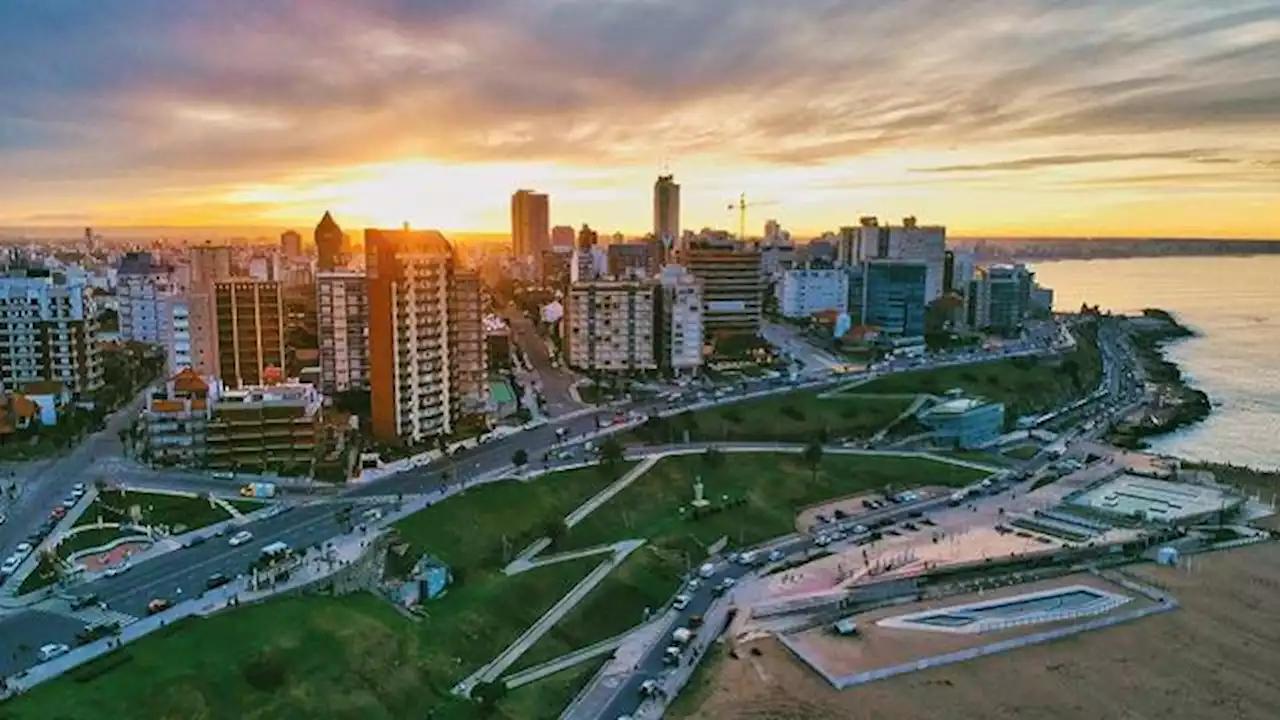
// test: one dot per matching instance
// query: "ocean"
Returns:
(1233, 304)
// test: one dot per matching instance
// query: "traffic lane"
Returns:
(22, 634)
(130, 591)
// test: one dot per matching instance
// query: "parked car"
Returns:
(51, 651)
(682, 602)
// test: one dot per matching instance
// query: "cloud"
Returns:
(137, 93)
(1047, 161)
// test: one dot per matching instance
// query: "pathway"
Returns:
(608, 493)
(564, 662)
(542, 625)
(226, 506)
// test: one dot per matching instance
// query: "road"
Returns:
(554, 382)
(45, 484)
(189, 568)
(171, 576)
(1124, 390)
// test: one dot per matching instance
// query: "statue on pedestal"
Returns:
(698, 500)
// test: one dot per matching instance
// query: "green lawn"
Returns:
(178, 512)
(788, 417)
(356, 657)
(90, 539)
(1022, 452)
(246, 506)
(774, 486)
(646, 579)
(1026, 386)
(977, 456)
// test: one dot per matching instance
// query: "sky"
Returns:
(993, 117)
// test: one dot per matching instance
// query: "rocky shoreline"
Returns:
(1176, 404)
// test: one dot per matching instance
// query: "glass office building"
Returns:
(893, 296)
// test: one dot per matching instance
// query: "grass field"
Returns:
(175, 511)
(356, 657)
(1022, 452)
(1214, 657)
(790, 417)
(774, 487)
(90, 539)
(1026, 386)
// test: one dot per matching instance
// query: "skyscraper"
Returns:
(250, 330)
(342, 322)
(291, 244)
(530, 223)
(411, 278)
(732, 285)
(666, 212)
(331, 245)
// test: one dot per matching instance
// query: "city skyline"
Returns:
(1150, 119)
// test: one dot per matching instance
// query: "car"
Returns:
(58, 513)
(195, 540)
(240, 538)
(116, 570)
(216, 580)
(681, 602)
(859, 529)
(23, 548)
(80, 602)
(69, 502)
(10, 564)
(3, 517)
(77, 492)
(158, 605)
(51, 651)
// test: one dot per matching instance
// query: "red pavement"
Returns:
(102, 561)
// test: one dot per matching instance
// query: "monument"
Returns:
(698, 500)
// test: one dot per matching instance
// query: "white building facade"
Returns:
(804, 291)
(48, 331)
(342, 315)
(680, 331)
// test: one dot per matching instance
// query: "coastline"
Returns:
(1177, 404)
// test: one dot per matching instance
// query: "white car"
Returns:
(24, 549)
(115, 570)
(681, 602)
(51, 651)
(241, 538)
(10, 564)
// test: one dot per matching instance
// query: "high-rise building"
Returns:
(893, 296)
(610, 325)
(250, 331)
(556, 265)
(666, 212)
(331, 245)
(732, 285)
(1001, 298)
(801, 292)
(585, 265)
(468, 359)
(530, 223)
(632, 260)
(209, 266)
(410, 279)
(911, 242)
(342, 322)
(48, 332)
(143, 286)
(291, 244)
(562, 236)
(679, 336)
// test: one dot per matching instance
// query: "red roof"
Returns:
(189, 381)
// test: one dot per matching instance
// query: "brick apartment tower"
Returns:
(410, 288)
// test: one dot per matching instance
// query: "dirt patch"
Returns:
(1217, 656)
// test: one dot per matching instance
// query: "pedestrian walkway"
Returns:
(608, 493)
(228, 507)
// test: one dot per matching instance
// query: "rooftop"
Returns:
(957, 406)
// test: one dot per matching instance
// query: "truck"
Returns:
(259, 490)
(681, 636)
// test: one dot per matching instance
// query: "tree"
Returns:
(610, 451)
(813, 456)
(520, 458)
(554, 529)
(713, 457)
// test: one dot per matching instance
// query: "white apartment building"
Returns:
(141, 291)
(48, 331)
(610, 325)
(680, 330)
(175, 333)
(804, 291)
(342, 314)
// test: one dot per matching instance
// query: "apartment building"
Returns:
(679, 338)
(1000, 298)
(610, 325)
(410, 281)
(467, 340)
(342, 318)
(143, 286)
(208, 265)
(175, 333)
(804, 291)
(175, 421)
(530, 223)
(732, 285)
(249, 322)
(259, 428)
(48, 332)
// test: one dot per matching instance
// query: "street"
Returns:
(554, 382)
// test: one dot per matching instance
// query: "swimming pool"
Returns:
(1029, 608)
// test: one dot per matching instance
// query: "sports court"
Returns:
(1157, 500)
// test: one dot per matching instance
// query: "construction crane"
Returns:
(741, 206)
